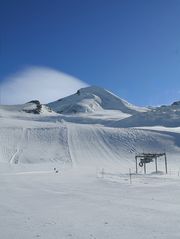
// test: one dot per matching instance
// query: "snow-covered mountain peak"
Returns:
(92, 99)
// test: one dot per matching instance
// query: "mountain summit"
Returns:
(92, 99)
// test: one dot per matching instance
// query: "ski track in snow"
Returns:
(84, 144)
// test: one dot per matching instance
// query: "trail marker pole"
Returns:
(156, 164)
(144, 168)
(130, 176)
(136, 165)
(102, 172)
(165, 163)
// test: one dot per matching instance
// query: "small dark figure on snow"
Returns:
(56, 171)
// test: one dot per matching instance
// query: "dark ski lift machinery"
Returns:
(144, 158)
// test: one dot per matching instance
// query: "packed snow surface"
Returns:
(78, 204)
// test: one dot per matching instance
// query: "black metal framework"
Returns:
(148, 158)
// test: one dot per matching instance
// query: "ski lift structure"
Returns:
(144, 158)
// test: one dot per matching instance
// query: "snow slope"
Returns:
(34, 145)
(166, 115)
(89, 194)
(95, 145)
(82, 144)
(90, 138)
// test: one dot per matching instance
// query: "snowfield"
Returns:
(66, 175)
(80, 204)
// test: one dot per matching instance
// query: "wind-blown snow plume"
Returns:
(42, 83)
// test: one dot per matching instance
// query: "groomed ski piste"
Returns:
(64, 170)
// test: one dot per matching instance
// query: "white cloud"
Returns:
(41, 83)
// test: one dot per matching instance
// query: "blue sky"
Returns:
(130, 47)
